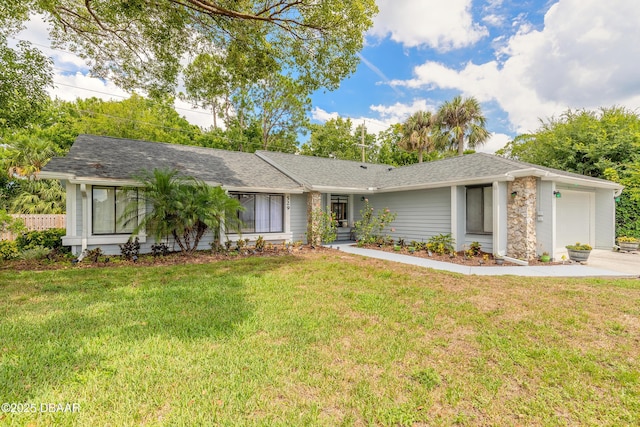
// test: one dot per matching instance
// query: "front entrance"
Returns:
(340, 210)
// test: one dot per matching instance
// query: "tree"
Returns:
(389, 151)
(181, 207)
(602, 144)
(462, 119)
(25, 156)
(141, 44)
(418, 133)
(337, 139)
(25, 75)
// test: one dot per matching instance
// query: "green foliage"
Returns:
(628, 239)
(602, 144)
(460, 120)
(475, 248)
(323, 227)
(372, 225)
(441, 244)
(336, 138)
(25, 75)
(316, 41)
(51, 239)
(182, 207)
(34, 253)
(93, 255)
(260, 244)
(11, 224)
(8, 250)
(418, 133)
(46, 196)
(579, 247)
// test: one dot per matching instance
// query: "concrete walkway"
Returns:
(603, 266)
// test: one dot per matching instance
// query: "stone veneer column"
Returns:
(521, 218)
(314, 204)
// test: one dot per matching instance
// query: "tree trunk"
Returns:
(461, 145)
(419, 155)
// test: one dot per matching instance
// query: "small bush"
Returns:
(260, 243)
(441, 244)
(475, 248)
(159, 249)
(8, 250)
(130, 249)
(35, 253)
(93, 254)
(51, 239)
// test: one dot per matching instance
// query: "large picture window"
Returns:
(108, 205)
(263, 213)
(480, 210)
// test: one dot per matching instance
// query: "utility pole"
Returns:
(362, 144)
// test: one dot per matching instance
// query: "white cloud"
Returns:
(434, 23)
(495, 142)
(584, 57)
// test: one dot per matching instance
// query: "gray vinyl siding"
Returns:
(298, 217)
(421, 214)
(544, 217)
(78, 209)
(485, 240)
(605, 219)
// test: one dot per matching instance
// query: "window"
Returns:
(109, 203)
(480, 209)
(263, 213)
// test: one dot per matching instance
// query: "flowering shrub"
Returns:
(323, 227)
(371, 228)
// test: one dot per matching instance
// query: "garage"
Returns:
(575, 218)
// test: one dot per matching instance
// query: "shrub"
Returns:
(8, 250)
(372, 226)
(323, 227)
(441, 244)
(36, 252)
(159, 249)
(475, 248)
(51, 239)
(627, 239)
(93, 254)
(260, 243)
(130, 249)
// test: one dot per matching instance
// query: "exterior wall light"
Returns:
(514, 193)
(557, 194)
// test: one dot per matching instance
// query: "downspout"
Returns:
(85, 220)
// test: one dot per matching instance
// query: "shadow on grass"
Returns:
(66, 323)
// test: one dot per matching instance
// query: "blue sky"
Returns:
(523, 60)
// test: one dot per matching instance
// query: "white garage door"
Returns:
(575, 218)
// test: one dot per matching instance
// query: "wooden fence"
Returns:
(37, 222)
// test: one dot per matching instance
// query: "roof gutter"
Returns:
(441, 184)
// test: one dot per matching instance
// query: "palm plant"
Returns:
(462, 119)
(418, 133)
(39, 197)
(183, 208)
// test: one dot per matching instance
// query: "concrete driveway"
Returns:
(624, 262)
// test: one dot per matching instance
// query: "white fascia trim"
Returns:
(585, 182)
(475, 181)
(342, 190)
(55, 175)
(263, 190)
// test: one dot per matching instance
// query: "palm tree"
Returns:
(45, 196)
(459, 119)
(181, 207)
(417, 133)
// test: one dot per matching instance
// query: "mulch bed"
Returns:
(459, 258)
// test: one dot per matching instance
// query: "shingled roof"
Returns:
(122, 159)
(319, 173)
(105, 158)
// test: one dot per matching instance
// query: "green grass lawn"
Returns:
(326, 339)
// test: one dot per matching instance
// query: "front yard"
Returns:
(316, 339)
